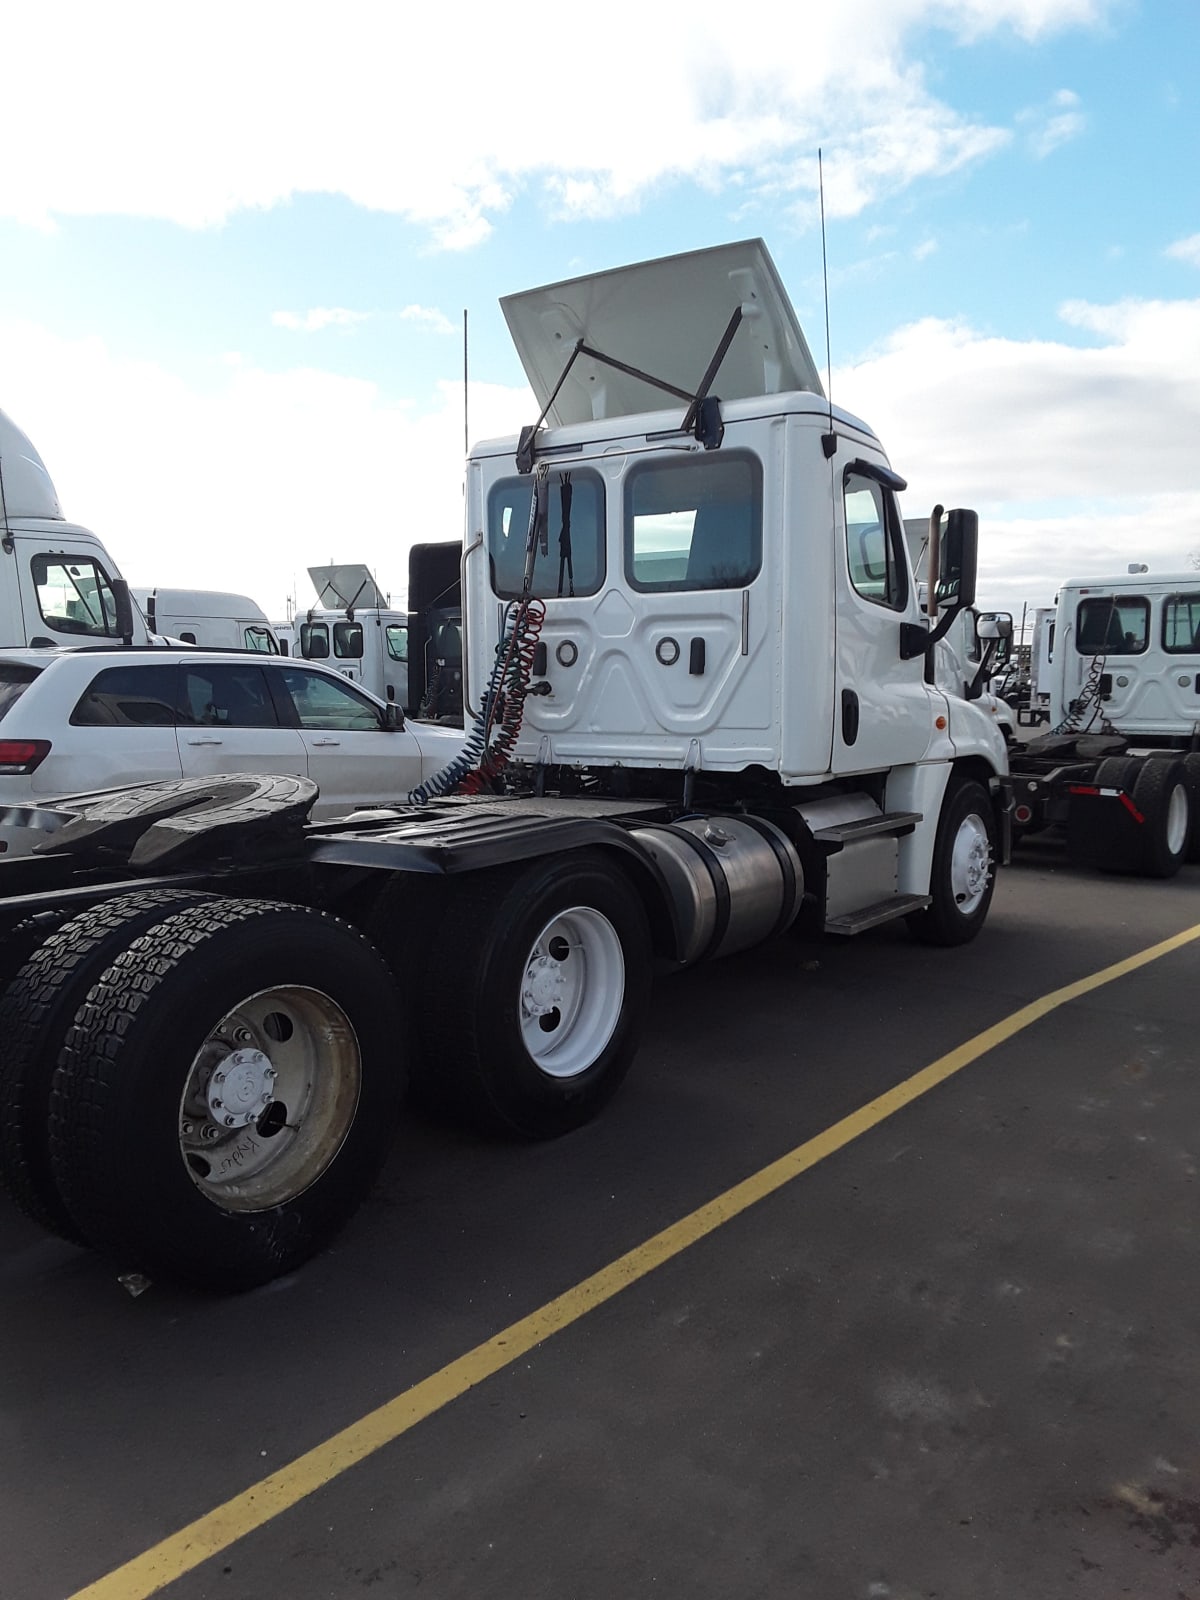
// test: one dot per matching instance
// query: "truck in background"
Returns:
(1118, 774)
(410, 657)
(58, 584)
(210, 618)
(703, 709)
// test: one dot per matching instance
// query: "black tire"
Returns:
(1114, 772)
(146, 1167)
(1162, 796)
(487, 977)
(19, 942)
(36, 1012)
(1118, 772)
(1191, 773)
(960, 905)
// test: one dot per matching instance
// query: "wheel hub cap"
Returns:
(971, 864)
(240, 1089)
(545, 986)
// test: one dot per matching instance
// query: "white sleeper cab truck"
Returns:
(58, 584)
(209, 618)
(702, 708)
(1119, 771)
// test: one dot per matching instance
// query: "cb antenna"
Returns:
(828, 440)
(466, 426)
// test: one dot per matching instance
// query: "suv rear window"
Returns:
(129, 697)
(14, 680)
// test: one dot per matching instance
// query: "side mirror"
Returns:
(393, 717)
(959, 560)
(123, 602)
(994, 625)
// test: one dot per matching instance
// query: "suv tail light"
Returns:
(22, 755)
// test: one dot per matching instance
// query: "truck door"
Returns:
(883, 708)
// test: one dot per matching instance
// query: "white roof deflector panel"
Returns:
(28, 491)
(665, 317)
(339, 587)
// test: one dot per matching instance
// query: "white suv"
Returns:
(73, 721)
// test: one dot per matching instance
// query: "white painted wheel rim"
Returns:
(571, 992)
(269, 1098)
(1178, 817)
(970, 864)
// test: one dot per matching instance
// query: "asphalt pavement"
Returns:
(955, 1353)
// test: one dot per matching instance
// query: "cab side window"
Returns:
(348, 641)
(573, 563)
(1181, 624)
(314, 641)
(74, 596)
(1107, 626)
(872, 548)
(694, 524)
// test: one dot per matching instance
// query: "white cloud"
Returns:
(1078, 458)
(428, 317)
(1186, 250)
(318, 318)
(244, 481)
(1047, 127)
(193, 115)
(925, 249)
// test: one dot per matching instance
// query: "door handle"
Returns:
(327, 741)
(206, 741)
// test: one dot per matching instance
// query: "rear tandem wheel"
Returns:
(536, 994)
(228, 1093)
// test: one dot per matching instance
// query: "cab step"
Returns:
(896, 905)
(896, 823)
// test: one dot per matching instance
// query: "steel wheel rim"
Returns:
(269, 1098)
(970, 864)
(1178, 817)
(571, 991)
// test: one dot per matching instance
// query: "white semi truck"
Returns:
(1118, 774)
(411, 658)
(58, 583)
(702, 708)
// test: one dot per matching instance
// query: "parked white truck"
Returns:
(413, 658)
(213, 619)
(703, 708)
(1119, 772)
(57, 581)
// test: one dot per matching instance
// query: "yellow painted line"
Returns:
(214, 1532)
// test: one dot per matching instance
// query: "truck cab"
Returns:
(1130, 646)
(56, 579)
(209, 618)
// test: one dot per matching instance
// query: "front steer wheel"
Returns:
(964, 868)
(227, 1093)
(539, 987)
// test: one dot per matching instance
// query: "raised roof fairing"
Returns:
(665, 317)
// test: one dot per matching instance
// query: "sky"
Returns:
(237, 243)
